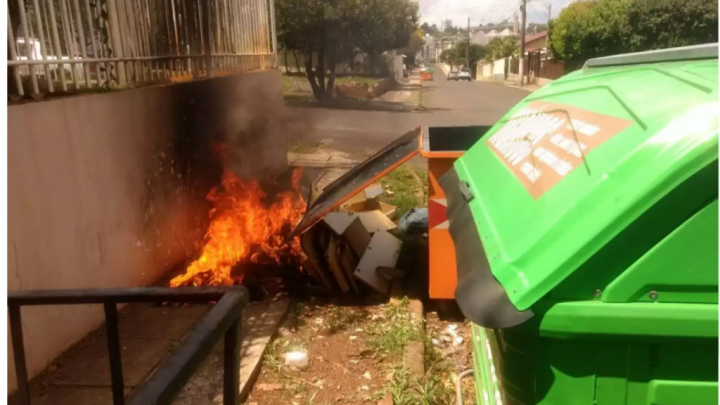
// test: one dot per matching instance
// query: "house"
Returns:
(539, 65)
(536, 42)
(483, 38)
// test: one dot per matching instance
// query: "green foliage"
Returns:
(587, 29)
(336, 31)
(414, 45)
(659, 24)
(457, 56)
(500, 48)
(590, 29)
(430, 29)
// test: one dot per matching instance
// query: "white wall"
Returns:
(498, 71)
(108, 190)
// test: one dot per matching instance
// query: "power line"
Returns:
(507, 12)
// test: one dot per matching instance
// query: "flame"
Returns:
(244, 229)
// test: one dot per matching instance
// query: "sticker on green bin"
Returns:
(543, 142)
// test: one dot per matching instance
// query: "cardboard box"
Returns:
(371, 191)
(373, 221)
(371, 205)
(382, 251)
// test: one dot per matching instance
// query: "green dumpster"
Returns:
(585, 226)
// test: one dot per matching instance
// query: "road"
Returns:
(448, 103)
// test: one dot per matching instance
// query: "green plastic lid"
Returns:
(577, 161)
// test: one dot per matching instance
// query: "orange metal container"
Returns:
(426, 76)
(442, 146)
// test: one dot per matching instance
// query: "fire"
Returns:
(244, 229)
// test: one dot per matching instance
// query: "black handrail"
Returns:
(225, 318)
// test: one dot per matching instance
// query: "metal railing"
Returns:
(72, 45)
(225, 318)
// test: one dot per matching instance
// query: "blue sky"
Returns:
(485, 11)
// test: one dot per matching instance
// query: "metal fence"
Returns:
(223, 320)
(72, 45)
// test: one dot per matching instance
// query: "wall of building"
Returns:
(108, 190)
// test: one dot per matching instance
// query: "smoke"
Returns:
(259, 129)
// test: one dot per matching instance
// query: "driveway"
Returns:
(448, 103)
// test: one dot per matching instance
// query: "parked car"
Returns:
(464, 74)
(453, 75)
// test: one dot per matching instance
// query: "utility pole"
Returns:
(547, 36)
(521, 67)
(467, 49)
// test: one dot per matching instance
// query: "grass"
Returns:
(405, 187)
(428, 390)
(288, 81)
(357, 80)
(340, 318)
(436, 386)
(388, 338)
(274, 352)
(300, 147)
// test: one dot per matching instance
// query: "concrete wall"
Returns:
(498, 70)
(108, 190)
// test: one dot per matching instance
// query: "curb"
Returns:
(414, 352)
(414, 355)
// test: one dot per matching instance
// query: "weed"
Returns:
(405, 187)
(389, 338)
(429, 390)
(432, 390)
(337, 320)
(271, 358)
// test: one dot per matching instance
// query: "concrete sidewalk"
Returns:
(528, 87)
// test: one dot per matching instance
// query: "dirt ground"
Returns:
(356, 350)
(355, 357)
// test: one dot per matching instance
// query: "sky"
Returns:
(485, 11)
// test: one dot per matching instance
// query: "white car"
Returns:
(464, 74)
(453, 75)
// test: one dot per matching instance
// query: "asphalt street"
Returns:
(448, 103)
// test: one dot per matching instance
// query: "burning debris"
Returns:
(245, 228)
(348, 249)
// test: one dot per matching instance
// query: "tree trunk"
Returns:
(320, 72)
(285, 61)
(297, 65)
(331, 80)
(317, 92)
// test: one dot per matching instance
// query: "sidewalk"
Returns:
(405, 92)
(528, 87)
(148, 334)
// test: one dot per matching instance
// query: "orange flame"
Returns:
(244, 229)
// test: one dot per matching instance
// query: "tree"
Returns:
(500, 48)
(659, 24)
(455, 56)
(430, 29)
(414, 46)
(328, 32)
(591, 29)
(588, 29)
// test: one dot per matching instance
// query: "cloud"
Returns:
(485, 11)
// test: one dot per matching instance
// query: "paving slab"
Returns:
(260, 321)
(68, 395)
(87, 364)
(321, 158)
